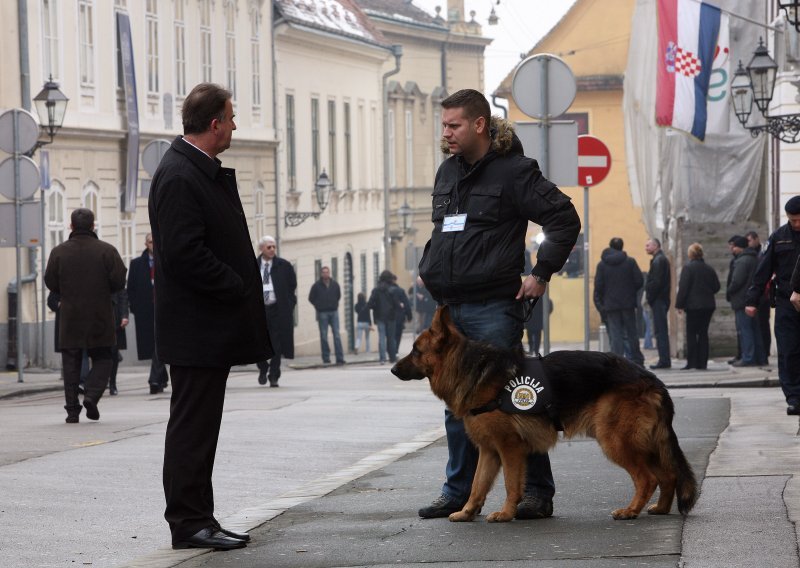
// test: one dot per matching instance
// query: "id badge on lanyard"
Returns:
(454, 223)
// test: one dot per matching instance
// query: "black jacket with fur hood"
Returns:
(500, 194)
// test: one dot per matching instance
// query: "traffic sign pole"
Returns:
(18, 215)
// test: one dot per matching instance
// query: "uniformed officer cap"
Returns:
(792, 206)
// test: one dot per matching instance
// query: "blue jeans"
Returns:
(387, 340)
(498, 322)
(623, 334)
(325, 319)
(749, 338)
(787, 335)
(661, 331)
(362, 328)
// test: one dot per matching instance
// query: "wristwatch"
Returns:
(539, 279)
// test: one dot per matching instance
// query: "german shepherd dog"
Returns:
(624, 407)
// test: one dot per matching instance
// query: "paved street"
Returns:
(329, 470)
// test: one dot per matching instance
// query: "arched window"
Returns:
(56, 215)
(90, 199)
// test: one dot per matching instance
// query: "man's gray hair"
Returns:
(267, 239)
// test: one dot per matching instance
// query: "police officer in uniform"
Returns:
(779, 258)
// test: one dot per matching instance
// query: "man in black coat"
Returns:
(141, 275)
(324, 295)
(617, 280)
(657, 293)
(209, 312)
(279, 285)
(85, 271)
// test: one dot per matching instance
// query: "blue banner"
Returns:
(128, 198)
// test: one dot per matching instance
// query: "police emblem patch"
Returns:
(523, 397)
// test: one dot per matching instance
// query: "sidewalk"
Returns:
(718, 374)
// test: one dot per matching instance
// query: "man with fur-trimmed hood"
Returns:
(483, 198)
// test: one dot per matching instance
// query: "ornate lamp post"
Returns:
(51, 106)
(322, 191)
(792, 9)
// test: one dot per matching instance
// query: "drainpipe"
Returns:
(397, 50)
(275, 129)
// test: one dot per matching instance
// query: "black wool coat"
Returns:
(209, 309)
(140, 298)
(696, 287)
(85, 271)
(284, 283)
(120, 302)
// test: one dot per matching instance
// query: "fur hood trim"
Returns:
(502, 133)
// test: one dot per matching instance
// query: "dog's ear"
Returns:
(441, 321)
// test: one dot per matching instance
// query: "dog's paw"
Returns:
(461, 517)
(656, 510)
(622, 514)
(499, 517)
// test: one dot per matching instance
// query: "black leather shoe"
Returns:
(661, 366)
(262, 377)
(273, 384)
(91, 409)
(793, 410)
(72, 419)
(442, 506)
(209, 538)
(237, 535)
(533, 507)
(155, 389)
(112, 391)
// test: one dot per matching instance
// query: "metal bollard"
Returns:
(602, 338)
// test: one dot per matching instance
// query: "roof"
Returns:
(341, 17)
(401, 11)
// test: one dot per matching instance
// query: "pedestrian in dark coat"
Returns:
(740, 278)
(696, 288)
(324, 295)
(121, 315)
(85, 271)
(657, 293)
(279, 285)
(209, 312)
(405, 314)
(141, 296)
(617, 282)
(385, 310)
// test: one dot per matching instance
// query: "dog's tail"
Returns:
(672, 457)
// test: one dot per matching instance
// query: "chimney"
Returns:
(455, 11)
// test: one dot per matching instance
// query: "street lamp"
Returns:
(405, 215)
(322, 191)
(756, 84)
(792, 9)
(51, 105)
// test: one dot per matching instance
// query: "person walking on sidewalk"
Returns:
(765, 305)
(657, 290)
(696, 288)
(484, 195)
(364, 323)
(209, 312)
(121, 318)
(85, 271)
(280, 298)
(617, 280)
(324, 296)
(386, 309)
(141, 276)
(780, 259)
(739, 279)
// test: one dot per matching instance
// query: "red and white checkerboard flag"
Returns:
(687, 39)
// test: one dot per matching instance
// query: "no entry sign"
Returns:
(594, 161)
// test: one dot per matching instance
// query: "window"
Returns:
(51, 49)
(127, 231)
(409, 148)
(315, 139)
(438, 157)
(291, 164)
(363, 266)
(376, 268)
(255, 55)
(348, 158)
(332, 142)
(259, 219)
(392, 147)
(180, 49)
(90, 199)
(230, 46)
(317, 269)
(86, 42)
(56, 215)
(335, 268)
(205, 40)
(151, 45)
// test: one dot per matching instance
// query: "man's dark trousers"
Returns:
(622, 328)
(661, 330)
(272, 365)
(195, 414)
(96, 380)
(787, 335)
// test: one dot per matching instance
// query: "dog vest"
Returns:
(529, 392)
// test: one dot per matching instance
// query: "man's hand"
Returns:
(751, 311)
(531, 289)
(795, 300)
(124, 322)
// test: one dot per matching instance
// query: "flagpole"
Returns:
(739, 16)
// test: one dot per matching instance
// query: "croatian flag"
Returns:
(687, 40)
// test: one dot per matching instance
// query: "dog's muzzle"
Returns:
(406, 372)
